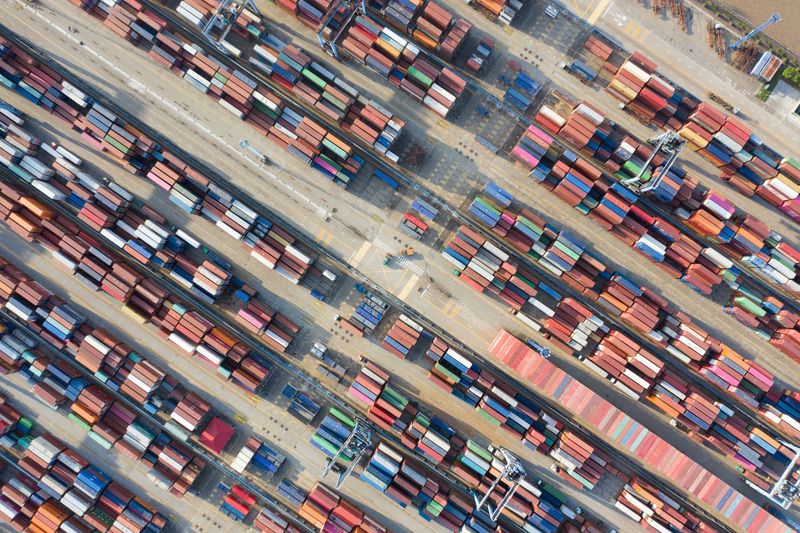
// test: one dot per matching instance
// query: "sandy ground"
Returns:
(757, 11)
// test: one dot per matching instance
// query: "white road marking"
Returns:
(405, 262)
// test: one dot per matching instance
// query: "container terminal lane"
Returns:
(353, 307)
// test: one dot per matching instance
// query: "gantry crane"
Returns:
(514, 472)
(355, 446)
(786, 490)
(224, 18)
(773, 19)
(668, 143)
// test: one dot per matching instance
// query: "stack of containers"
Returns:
(406, 484)
(332, 432)
(481, 263)
(121, 370)
(649, 96)
(521, 92)
(395, 58)
(502, 11)
(329, 93)
(654, 510)
(746, 162)
(424, 435)
(271, 245)
(602, 417)
(268, 521)
(368, 314)
(402, 337)
(635, 370)
(595, 58)
(216, 347)
(582, 463)
(190, 413)
(81, 489)
(309, 12)
(704, 212)
(436, 441)
(237, 503)
(273, 327)
(328, 511)
(258, 453)
(429, 24)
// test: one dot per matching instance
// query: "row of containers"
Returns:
(188, 189)
(172, 464)
(145, 301)
(703, 211)
(745, 161)
(406, 484)
(615, 356)
(403, 63)
(141, 232)
(639, 306)
(120, 368)
(654, 453)
(730, 236)
(309, 79)
(234, 90)
(537, 504)
(114, 363)
(62, 491)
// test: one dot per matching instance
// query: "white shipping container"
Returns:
(182, 342)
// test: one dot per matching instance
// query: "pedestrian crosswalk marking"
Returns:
(359, 254)
(405, 262)
(408, 287)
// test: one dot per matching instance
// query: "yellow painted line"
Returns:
(598, 11)
(408, 287)
(324, 237)
(252, 398)
(239, 418)
(455, 311)
(359, 255)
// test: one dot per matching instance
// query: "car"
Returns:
(480, 55)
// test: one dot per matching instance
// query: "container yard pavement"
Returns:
(343, 242)
(191, 512)
(318, 324)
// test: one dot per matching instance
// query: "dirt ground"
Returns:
(757, 11)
